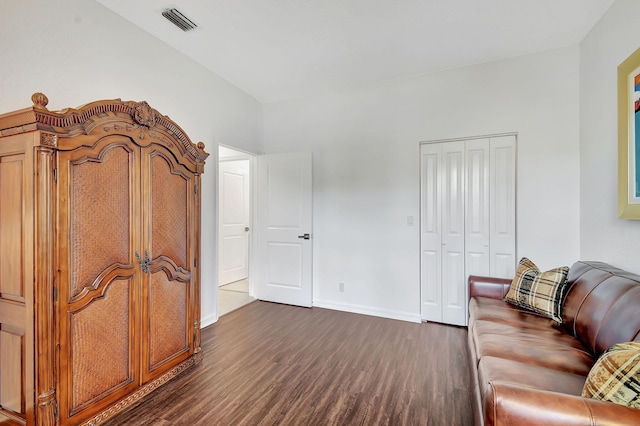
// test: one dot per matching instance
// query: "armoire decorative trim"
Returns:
(48, 139)
(145, 390)
(83, 119)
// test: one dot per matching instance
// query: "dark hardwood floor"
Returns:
(270, 364)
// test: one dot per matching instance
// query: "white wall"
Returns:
(366, 169)
(603, 236)
(77, 51)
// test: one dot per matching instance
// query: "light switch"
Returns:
(409, 220)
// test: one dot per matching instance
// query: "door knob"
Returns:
(305, 236)
(246, 229)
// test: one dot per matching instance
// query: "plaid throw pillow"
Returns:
(539, 292)
(615, 377)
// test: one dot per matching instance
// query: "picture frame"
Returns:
(629, 137)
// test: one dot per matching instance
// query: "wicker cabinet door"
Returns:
(99, 278)
(168, 287)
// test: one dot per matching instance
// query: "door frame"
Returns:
(253, 199)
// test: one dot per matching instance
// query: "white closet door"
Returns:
(454, 300)
(467, 222)
(430, 233)
(477, 231)
(503, 206)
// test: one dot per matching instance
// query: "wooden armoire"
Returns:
(99, 259)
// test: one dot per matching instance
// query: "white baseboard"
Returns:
(208, 320)
(367, 310)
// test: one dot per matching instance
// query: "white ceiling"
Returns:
(283, 49)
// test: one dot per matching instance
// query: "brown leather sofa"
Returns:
(530, 370)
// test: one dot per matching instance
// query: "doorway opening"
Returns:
(234, 229)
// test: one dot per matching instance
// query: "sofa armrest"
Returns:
(510, 404)
(492, 287)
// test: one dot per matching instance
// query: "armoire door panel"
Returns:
(169, 210)
(98, 274)
(168, 318)
(100, 191)
(167, 294)
(102, 346)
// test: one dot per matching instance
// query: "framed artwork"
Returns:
(629, 137)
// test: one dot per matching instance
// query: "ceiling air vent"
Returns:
(178, 19)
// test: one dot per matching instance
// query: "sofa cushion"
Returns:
(539, 292)
(615, 377)
(492, 369)
(484, 308)
(530, 346)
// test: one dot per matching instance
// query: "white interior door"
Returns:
(285, 229)
(234, 221)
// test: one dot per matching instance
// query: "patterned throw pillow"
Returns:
(615, 377)
(539, 292)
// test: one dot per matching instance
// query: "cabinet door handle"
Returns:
(143, 265)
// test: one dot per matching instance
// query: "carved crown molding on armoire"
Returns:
(99, 259)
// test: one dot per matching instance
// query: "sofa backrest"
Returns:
(602, 306)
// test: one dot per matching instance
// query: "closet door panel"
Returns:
(168, 289)
(453, 220)
(430, 230)
(477, 207)
(503, 206)
(97, 277)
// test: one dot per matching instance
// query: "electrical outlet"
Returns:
(341, 287)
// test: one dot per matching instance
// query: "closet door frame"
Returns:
(486, 238)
